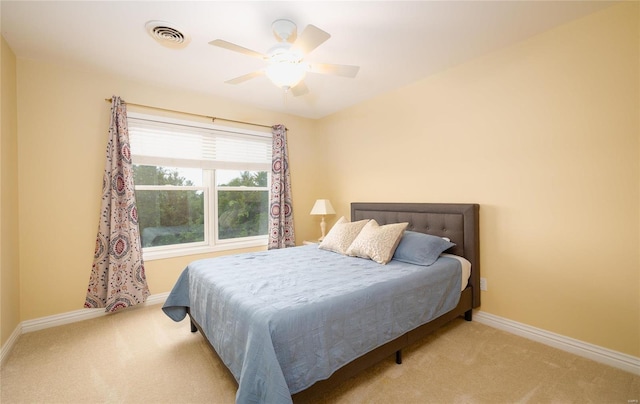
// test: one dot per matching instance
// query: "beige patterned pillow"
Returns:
(342, 235)
(377, 242)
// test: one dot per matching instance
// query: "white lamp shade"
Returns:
(322, 207)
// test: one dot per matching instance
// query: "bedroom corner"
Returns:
(9, 257)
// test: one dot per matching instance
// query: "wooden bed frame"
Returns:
(458, 222)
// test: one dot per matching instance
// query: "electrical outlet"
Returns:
(483, 284)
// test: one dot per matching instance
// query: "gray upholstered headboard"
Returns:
(457, 221)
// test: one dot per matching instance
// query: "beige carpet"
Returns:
(141, 356)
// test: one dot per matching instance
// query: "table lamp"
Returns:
(322, 207)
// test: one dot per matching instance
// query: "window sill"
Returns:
(181, 252)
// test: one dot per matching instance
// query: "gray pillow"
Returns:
(420, 249)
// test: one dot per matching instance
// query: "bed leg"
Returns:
(468, 315)
(193, 326)
(399, 357)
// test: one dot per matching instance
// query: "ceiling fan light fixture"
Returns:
(286, 75)
(285, 68)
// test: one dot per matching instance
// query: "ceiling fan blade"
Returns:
(299, 89)
(311, 38)
(245, 77)
(237, 48)
(336, 70)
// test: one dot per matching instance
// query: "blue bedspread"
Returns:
(283, 319)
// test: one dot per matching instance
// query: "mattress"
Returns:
(465, 267)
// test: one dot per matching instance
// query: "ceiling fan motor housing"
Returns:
(283, 52)
(284, 30)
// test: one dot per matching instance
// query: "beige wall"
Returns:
(545, 136)
(63, 126)
(9, 259)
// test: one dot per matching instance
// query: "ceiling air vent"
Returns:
(167, 34)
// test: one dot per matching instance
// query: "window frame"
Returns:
(211, 243)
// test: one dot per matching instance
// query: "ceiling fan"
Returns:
(287, 67)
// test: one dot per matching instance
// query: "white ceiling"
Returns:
(394, 42)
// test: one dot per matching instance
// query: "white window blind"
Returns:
(183, 144)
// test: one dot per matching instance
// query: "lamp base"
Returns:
(323, 228)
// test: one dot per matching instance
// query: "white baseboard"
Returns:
(80, 315)
(66, 318)
(599, 354)
(8, 346)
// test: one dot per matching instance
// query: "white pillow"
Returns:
(342, 235)
(377, 242)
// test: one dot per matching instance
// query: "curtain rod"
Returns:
(213, 118)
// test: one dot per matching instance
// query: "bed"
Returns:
(294, 322)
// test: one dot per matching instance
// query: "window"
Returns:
(199, 188)
(243, 204)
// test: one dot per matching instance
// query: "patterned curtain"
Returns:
(117, 276)
(280, 208)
